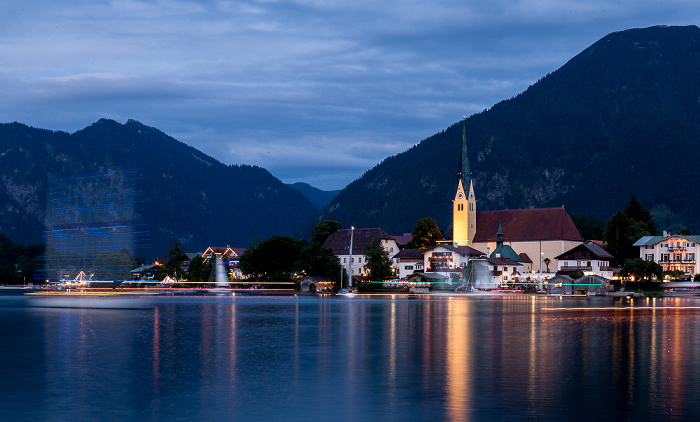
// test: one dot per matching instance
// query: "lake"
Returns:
(387, 358)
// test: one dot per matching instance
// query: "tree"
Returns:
(324, 229)
(378, 262)
(173, 267)
(589, 226)
(200, 269)
(274, 260)
(626, 227)
(426, 234)
(314, 259)
(642, 270)
(636, 211)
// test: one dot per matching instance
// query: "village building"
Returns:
(507, 264)
(449, 261)
(230, 257)
(585, 259)
(311, 284)
(409, 261)
(339, 243)
(673, 252)
(586, 285)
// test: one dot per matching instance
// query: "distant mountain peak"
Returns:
(604, 126)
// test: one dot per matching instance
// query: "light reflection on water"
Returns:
(326, 358)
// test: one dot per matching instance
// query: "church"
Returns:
(536, 234)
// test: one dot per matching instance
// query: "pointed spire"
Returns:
(464, 170)
(499, 234)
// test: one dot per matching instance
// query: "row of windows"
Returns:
(359, 260)
(676, 257)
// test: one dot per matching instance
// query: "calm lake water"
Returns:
(328, 358)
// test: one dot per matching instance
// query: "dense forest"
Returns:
(621, 118)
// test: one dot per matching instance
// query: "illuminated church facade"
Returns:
(536, 234)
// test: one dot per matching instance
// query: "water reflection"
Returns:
(322, 358)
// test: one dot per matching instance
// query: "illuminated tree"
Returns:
(426, 234)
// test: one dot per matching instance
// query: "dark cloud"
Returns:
(314, 91)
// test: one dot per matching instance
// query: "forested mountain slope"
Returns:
(184, 194)
(620, 118)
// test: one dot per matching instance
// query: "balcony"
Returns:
(677, 261)
(577, 268)
(676, 248)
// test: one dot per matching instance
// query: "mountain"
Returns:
(621, 118)
(183, 193)
(320, 198)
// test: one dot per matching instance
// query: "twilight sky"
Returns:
(314, 91)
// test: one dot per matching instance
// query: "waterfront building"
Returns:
(586, 259)
(449, 260)
(673, 252)
(230, 257)
(409, 261)
(339, 243)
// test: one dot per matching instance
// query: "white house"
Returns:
(449, 260)
(673, 252)
(339, 243)
(586, 259)
(409, 261)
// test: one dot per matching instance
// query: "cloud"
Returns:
(314, 91)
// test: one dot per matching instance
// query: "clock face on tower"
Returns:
(460, 195)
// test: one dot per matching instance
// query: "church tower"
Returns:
(464, 204)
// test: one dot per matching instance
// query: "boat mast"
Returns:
(352, 230)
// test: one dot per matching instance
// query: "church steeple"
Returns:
(464, 170)
(464, 204)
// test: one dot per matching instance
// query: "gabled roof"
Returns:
(502, 261)
(526, 259)
(595, 250)
(225, 252)
(410, 253)
(506, 251)
(402, 239)
(653, 240)
(339, 242)
(526, 225)
(462, 250)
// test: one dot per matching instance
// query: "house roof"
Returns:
(223, 251)
(506, 251)
(410, 253)
(595, 250)
(502, 261)
(652, 240)
(339, 242)
(403, 239)
(526, 259)
(462, 250)
(532, 224)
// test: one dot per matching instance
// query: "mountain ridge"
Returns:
(581, 136)
(187, 195)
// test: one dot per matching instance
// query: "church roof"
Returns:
(532, 224)
(339, 242)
